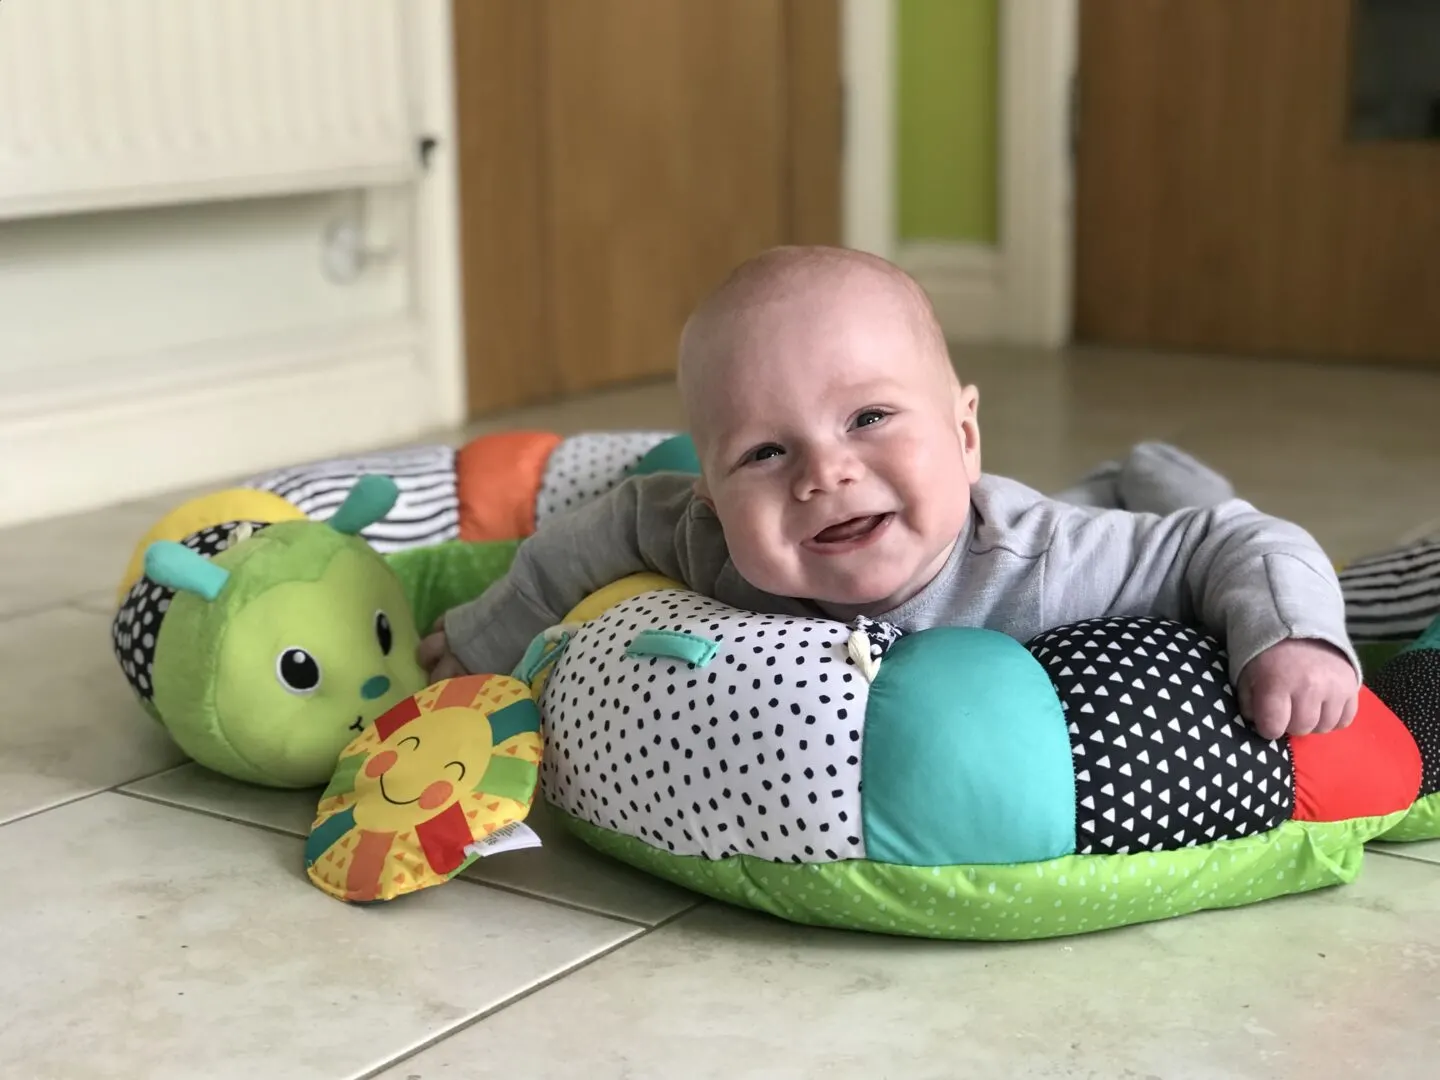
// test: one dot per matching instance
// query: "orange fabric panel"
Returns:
(1368, 769)
(497, 479)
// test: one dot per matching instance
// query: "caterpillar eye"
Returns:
(298, 671)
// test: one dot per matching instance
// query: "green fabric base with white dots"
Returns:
(1072, 894)
(1421, 822)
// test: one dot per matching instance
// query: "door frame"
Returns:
(1018, 291)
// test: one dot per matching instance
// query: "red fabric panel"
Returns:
(1368, 769)
(398, 716)
(444, 838)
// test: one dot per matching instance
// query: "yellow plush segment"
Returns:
(597, 603)
(232, 504)
(601, 601)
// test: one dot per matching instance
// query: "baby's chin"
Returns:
(867, 596)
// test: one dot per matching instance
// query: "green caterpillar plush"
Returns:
(265, 648)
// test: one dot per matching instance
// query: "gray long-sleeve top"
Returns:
(1025, 564)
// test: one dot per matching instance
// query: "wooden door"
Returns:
(1221, 203)
(618, 157)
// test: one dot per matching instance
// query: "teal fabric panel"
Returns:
(675, 454)
(966, 757)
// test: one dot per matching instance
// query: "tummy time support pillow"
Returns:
(951, 782)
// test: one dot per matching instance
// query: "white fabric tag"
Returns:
(513, 837)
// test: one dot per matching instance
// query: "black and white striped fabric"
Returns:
(427, 512)
(1395, 595)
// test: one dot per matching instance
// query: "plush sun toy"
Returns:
(414, 798)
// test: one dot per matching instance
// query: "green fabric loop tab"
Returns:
(673, 645)
(540, 655)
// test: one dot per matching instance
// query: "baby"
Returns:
(840, 461)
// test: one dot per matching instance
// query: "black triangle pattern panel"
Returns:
(1162, 758)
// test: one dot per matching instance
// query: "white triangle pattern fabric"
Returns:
(1168, 771)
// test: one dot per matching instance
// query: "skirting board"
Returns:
(104, 452)
(963, 282)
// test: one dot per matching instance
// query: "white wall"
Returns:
(174, 306)
(86, 294)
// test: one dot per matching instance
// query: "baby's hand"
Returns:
(1298, 687)
(435, 657)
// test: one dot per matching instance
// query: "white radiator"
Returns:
(176, 177)
(114, 103)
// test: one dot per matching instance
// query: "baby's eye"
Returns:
(869, 418)
(764, 453)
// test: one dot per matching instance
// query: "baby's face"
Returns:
(838, 453)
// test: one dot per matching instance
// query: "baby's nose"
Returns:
(825, 473)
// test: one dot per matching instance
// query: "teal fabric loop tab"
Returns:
(673, 645)
(544, 649)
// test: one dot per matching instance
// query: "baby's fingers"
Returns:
(1337, 712)
(430, 650)
(447, 668)
(1347, 714)
(1271, 712)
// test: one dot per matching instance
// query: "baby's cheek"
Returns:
(764, 561)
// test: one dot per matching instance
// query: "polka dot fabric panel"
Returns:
(136, 626)
(586, 466)
(1162, 758)
(756, 753)
(1410, 685)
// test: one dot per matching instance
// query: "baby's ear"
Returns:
(967, 423)
(702, 492)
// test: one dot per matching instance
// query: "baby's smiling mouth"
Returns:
(851, 530)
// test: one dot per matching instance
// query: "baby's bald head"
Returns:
(836, 444)
(789, 287)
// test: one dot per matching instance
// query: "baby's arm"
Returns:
(642, 524)
(1261, 585)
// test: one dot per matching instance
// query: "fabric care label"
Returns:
(513, 837)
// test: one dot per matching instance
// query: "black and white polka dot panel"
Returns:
(586, 466)
(755, 753)
(136, 627)
(1410, 685)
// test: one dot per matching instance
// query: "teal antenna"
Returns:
(369, 500)
(184, 569)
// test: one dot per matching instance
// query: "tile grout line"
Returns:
(514, 890)
(28, 814)
(485, 1014)
(113, 789)
(215, 814)
(1400, 855)
(508, 889)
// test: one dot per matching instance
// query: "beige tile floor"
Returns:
(155, 920)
